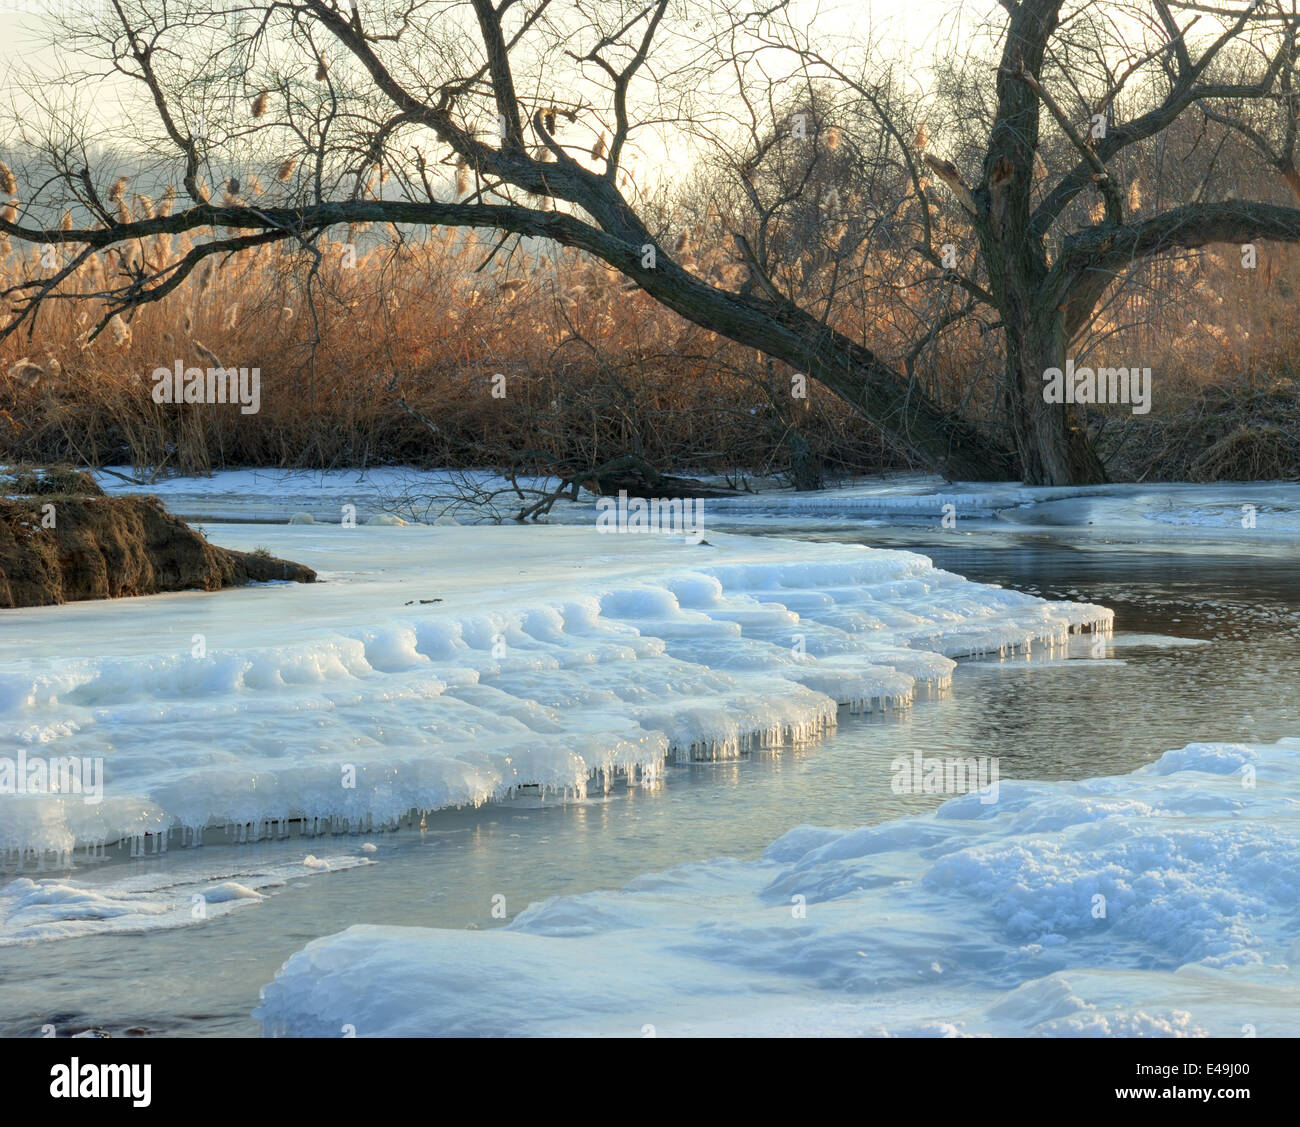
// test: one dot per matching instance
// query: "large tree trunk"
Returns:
(1051, 442)
(1051, 439)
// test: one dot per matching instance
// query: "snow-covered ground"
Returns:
(439, 666)
(1252, 516)
(275, 496)
(1159, 903)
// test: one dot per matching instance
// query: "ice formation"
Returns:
(457, 664)
(41, 911)
(1160, 903)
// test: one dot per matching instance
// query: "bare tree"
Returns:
(365, 111)
(1075, 92)
(1046, 303)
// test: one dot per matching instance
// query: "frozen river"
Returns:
(1203, 649)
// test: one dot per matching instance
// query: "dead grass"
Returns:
(391, 355)
(1247, 430)
(591, 370)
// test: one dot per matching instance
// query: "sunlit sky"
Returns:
(913, 27)
(914, 31)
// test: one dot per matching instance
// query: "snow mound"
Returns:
(1160, 903)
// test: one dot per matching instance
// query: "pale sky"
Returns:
(894, 26)
(916, 29)
(914, 24)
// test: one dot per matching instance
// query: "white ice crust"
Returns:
(453, 664)
(1160, 903)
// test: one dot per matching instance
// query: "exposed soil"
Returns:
(62, 540)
